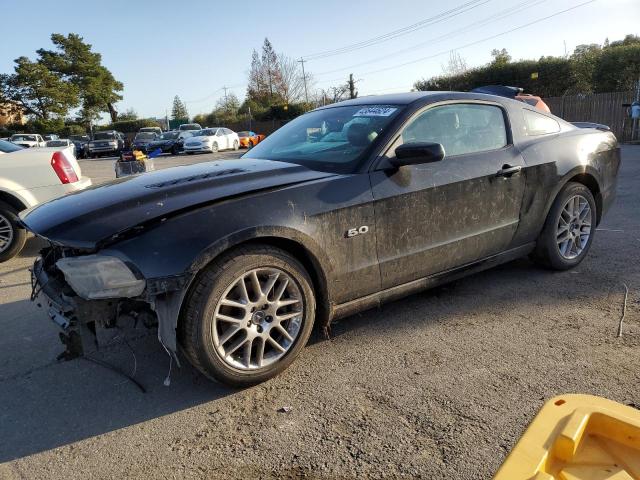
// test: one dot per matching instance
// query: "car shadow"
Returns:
(48, 404)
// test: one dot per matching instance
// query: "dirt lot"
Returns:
(439, 385)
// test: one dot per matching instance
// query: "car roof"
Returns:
(409, 98)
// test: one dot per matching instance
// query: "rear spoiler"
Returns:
(597, 126)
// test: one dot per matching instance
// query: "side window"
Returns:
(219, 133)
(537, 124)
(227, 131)
(460, 128)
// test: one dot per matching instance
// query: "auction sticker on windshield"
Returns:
(375, 112)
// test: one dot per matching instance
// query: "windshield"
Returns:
(207, 132)
(145, 136)
(104, 136)
(57, 143)
(244, 134)
(190, 126)
(23, 138)
(332, 139)
(79, 138)
(169, 136)
(8, 147)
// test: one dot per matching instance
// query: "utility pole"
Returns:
(352, 87)
(304, 79)
(225, 96)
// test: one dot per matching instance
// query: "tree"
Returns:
(291, 87)
(583, 60)
(456, 65)
(179, 109)
(500, 57)
(37, 90)
(266, 85)
(128, 115)
(74, 61)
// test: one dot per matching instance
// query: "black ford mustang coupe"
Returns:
(345, 207)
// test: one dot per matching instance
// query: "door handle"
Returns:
(507, 171)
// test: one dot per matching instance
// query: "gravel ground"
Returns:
(438, 385)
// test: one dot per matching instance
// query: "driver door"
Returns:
(433, 217)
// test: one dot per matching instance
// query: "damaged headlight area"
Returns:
(95, 277)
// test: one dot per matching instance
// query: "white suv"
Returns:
(28, 177)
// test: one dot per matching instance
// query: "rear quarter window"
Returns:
(538, 124)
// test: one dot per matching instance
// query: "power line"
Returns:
(491, 37)
(492, 18)
(401, 31)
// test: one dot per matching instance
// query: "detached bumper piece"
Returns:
(578, 437)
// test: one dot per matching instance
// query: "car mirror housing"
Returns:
(415, 153)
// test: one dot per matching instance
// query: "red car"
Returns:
(249, 139)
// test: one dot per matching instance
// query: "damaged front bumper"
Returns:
(88, 325)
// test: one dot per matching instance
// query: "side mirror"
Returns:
(416, 153)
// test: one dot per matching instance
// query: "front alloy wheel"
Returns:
(248, 315)
(257, 319)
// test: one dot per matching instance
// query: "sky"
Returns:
(161, 48)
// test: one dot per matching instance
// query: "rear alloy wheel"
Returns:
(248, 316)
(12, 237)
(568, 230)
(236, 145)
(214, 147)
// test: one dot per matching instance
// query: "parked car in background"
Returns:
(170, 142)
(156, 130)
(108, 142)
(419, 189)
(190, 126)
(249, 139)
(63, 143)
(212, 140)
(28, 177)
(82, 145)
(50, 136)
(28, 140)
(515, 93)
(142, 140)
(8, 147)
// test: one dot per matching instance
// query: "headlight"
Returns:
(97, 276)
(113, 143)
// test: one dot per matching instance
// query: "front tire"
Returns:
(248, 315)
(214, 147)
(568, 230)
(12, 237)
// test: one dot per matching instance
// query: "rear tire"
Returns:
(12, 237)
(259, 325)
(214, 147)
(236, 145)
(568, 230)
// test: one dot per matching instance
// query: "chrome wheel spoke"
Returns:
(257, 319)
(276, 345)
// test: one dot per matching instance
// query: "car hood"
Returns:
(100, 214)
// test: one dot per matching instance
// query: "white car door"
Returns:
(221, 138)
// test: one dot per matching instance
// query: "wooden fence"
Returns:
(605, 108)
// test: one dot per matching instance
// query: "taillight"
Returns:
(63, 168)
